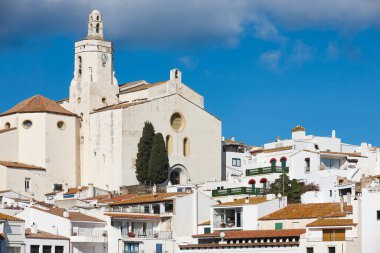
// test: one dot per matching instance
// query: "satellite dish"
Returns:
(222, 235)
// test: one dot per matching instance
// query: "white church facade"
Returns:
(92, 136)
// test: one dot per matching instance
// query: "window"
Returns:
(7, 125)
(61, 125)
(156, 208)
(307, 164)
(236, 162)
(330, 163)
(169, 144)
(283, 162)
(27, 124)
(97, 28)
(58, 187)
(104, 101)
(330, 193)
(207, 230)
(378, 214)
(309, 250)
(331, 249)
(334, 235)
(278, 226)
(169, 207)
(131, 247)
(34, 248)
(146, 209)
(27, 185)
(186, 147)
(46, 249)
(58, 249)
(177, 122)
(79, 65)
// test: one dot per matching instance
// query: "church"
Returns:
(91, 137)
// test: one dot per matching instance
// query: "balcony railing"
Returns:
(266, 170)
(238, 191)
(147, 234)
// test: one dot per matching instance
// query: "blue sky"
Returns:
(262, 66)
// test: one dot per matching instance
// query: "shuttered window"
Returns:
(278, 226)
(334, 235)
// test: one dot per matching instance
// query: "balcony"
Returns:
(150, 234)
(266, 170)
(89, 235)
(239, 191)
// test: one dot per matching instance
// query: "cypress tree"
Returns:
(143, 154)
(159, 161)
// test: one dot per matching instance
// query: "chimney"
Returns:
(246, 200)
(66, 214)
(341, 204)
(333, 134)
(223, 139)
(33, 228)
(91, 190)
(232, 138)
(278, 138)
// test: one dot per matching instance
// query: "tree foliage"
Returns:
(159, 161)
(291, 188)
(143, 154)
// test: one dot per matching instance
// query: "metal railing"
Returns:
(147, 234)
(266, 170)
(239, 190)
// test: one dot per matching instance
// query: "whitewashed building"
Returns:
(91, 137)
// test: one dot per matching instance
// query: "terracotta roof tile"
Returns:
(38, 103)
(75, 190)
(134, 216)
(331, 223)
(239, 245)
(17, 165)
(238, 202)
(143, 87)
(118, 198)
(149, 198)
(308, 211)
(6, 217)
(119, 106)
(73, 216)
(253, 234)
(357, 154)
(7, 129)
(205, 223)
(43, 235)
(298, 128)
(269, 150)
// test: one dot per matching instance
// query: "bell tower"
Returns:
(94, 84)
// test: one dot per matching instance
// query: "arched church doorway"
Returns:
(175, 177)
(178, 174)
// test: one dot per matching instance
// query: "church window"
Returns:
(27, 124)
(80, 64)
(97, 28)
(61, 125)
(186, 147)
(97, 17)
(79, 100)
(7, 125)
(177, 122)
(169, 144)
(27, 184)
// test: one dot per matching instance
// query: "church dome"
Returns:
(38, 103)
(298, 129)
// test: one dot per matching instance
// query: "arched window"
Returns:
(252, 182)
(273, 162)
(186, 147)
(283, 162)
(175, 177)
(264, 181)
(80, 64)
(169, 144)
(7, 125)
(97, 17)
(97, 28)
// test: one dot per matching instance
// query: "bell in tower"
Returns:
(95, 26)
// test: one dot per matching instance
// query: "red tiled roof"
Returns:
(7, 129)
(331, 223)
(73, 216)
(17, 165)
(134, 216)
(238, 202)
(43, 235)
(149, 198)
(6, 217)
(118, 198)
(120, 106)
(308, 211)
(75, 190)
(255, 234)
(239, 245)
(38, 103)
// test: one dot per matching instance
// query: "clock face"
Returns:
(104, 57)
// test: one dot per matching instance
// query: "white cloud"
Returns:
(190, 23)
(301, 53)
(271, 58)
(187, 62)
